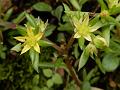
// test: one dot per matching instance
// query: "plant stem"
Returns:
(72, 72)
(65, 53)
(67, 61)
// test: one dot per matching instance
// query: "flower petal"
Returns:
(37, 48)
(25, 49)
(30, 31)
(88, 37)
(86, 20)
(21, 39)
(77, 35)
(96, 26)
(39, 36)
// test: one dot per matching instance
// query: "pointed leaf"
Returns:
(8, 14)
(76, 51)
(75, 4)
(58, 12)
(102, 4)
(86, 86)
(31, 19)
(83, 59)
(36, 61)
(32, 55)
(100, 65)
(66, 7)
(81, 42)
(20, 17)
(44, 43)
(106, 34)
(96, 26)
(17, 47)
(41, 6)
(49, 30)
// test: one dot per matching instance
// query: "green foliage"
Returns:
(110, 62)
(41, 6)
(62, 46)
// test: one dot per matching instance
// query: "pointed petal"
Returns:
(39, 36)
(87, 37)
(77, 35)
(37, 48)
(21, 39)
(25, 49)
(86, 20)
(96, 26)
(77, 24)
(30, 31)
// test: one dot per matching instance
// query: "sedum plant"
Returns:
(70, 46)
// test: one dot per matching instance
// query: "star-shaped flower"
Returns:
(82, 28)
(31, 40)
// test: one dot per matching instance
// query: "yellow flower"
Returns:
(30, 40)
(82, 28)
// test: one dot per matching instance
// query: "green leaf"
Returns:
(83, 59)
(94, 20)
(50, 83)
(96, 26)
(47, 72)
(41, 6)
(44, 88)
(66, 7)
(49, 30)
(17, 47)
(106, 34)
(76, 51)
(20, 18)
(31, 19)
(82, 2)
(66, 27)
(46, 65)
(110, 62)
(61, 37)
(35, 80)
(34, 56)
(58, 12)
(57, 79)
(8, 14)
(60, 64)
(36, 61)
(44, 43)
(86, 86)
(81, 42)
(102, 4)
(114, 10)
(91, 74)
(36, 88)
(75, 4)
(95, 80)
(21, 30)
(100, 65)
